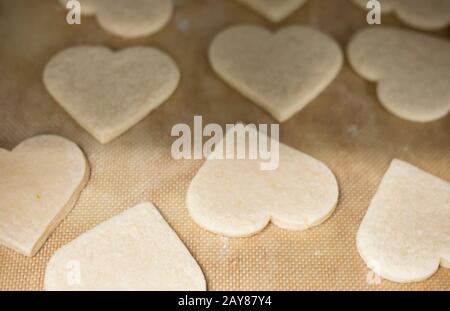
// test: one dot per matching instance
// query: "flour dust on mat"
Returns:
(276, 10)
(236, 198)
(405, 234)
(128, 18)
(283, 71)
(40, 182)
(412, 71)
(420, 14)
(136, 250)
(109, 92)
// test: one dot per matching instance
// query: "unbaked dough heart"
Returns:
(405, 234)
(40, 182)
(136, 250)
(274, 10)
(412, 71)
(421, 14)
(236, 198)
(108, 92)
(128, 18)
(281, 72)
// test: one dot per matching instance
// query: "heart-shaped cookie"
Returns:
(412, 71)
(136, 250)
(274, 10)
(128, 18)
(235, 198)
(424, 15)
(108, 92)
(40, 182)
(282, 72)
(405, 234)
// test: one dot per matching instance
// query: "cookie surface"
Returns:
(136, 250)
(424, 15)
(236, 198)
(128, 18)
(274, 10)
(281, 72)
(412, 71)
(405, 234)
(109, 92)
(40, 181)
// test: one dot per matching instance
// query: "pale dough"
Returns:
(237, 199)
(274, 10)
(405, 234)
(412, 71)
(40, 182)
(128, 18)
(136, 250)
(282, 72)
(420, 14)
(109, 92)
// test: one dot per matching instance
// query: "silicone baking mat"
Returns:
(345, 127)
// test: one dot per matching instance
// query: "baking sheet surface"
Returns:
(345, 127)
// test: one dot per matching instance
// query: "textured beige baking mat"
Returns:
(345, 127)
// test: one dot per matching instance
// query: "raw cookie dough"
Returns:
(128, 18)
(236, 198)
(136, 250)
(274, 10)
(412, 71)
(282, 72)
(40, 182)
(420, 14)
(109, 92)
(405, 234)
